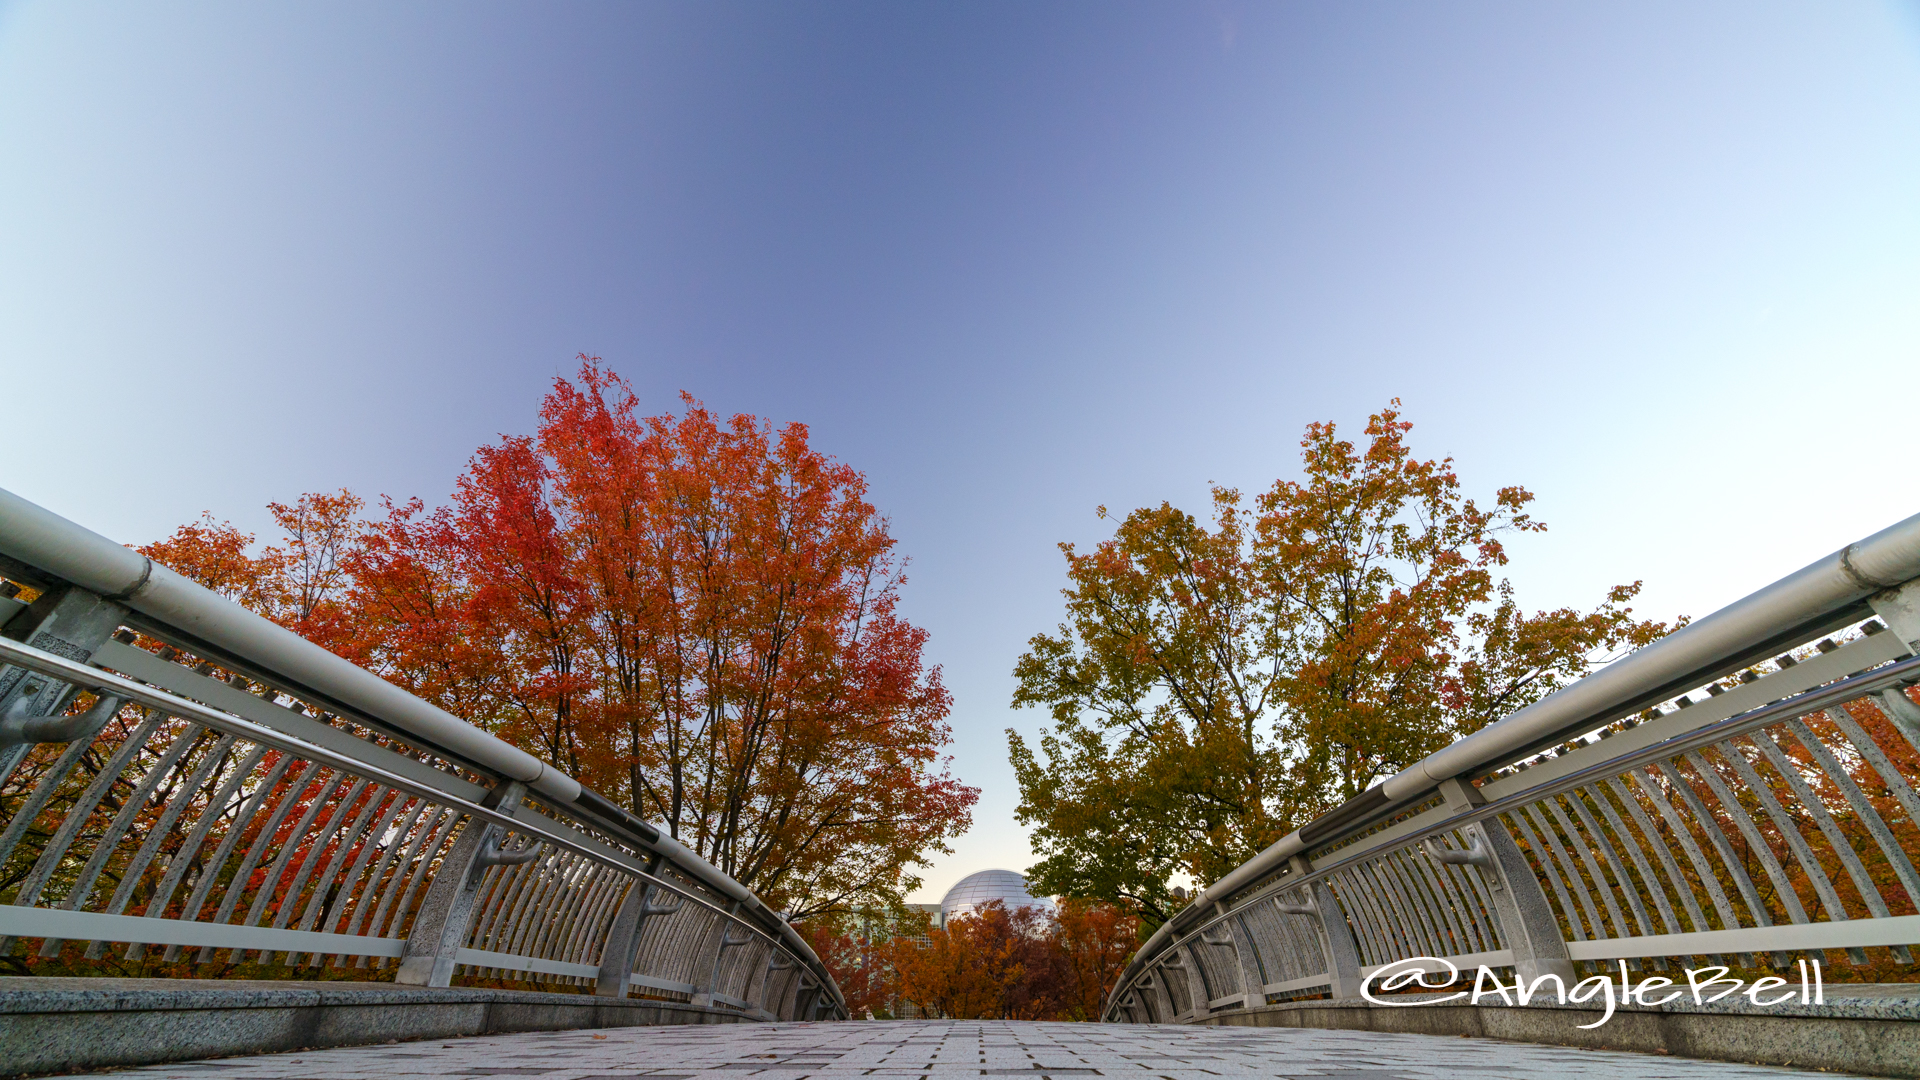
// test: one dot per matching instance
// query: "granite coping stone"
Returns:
(38, 994)
(56, 1025)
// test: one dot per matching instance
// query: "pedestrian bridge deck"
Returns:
(952, 1050)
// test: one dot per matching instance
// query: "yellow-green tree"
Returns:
(1216, 685)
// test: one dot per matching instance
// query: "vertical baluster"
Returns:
(1790, 832)
(1822, 820)
(392, 925)
(1578, 842)
(162, 828)
(1553, 860)
(81, 812)
(109, 842)
(1863, 810)
(357, 887)
(262, 841)
(317, 844)
(249, 807)
(324, 888)
(1421, 917)
(1358, 903)
(1628, 891)
(277, 869)
(1366, 917)
(1658, 846)
(29, 810)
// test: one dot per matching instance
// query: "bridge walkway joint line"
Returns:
(951, 1050)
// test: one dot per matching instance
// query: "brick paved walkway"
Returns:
(950, 1050)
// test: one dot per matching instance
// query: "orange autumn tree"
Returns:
(984, 965)
(753, 686)
(1094, 941)
(299, 582)
(996, 963)
(1216, 685)
(698, 618)
(217, 556)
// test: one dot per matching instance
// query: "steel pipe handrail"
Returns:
(190, 616)
(92, 678)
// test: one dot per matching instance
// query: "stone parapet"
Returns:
(59, 1025)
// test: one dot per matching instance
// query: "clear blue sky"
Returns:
(1658, 262)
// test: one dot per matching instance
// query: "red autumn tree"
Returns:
(857, 963)
(699, 618)
(414, 620)
(734, 597)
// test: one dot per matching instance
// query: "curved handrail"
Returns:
(122, 689)
(175, 610)
(1827, 595)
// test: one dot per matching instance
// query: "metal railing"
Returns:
(240, 801)
(1741, 792)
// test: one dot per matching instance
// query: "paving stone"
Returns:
(951, 1050)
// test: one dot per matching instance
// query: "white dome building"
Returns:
(976, 891)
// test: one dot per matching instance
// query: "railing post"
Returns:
(1899, 608)
(1527, 922)
(441, 927)
(778, 961)
(806, 996)
(66, 621)
(1156, 984)
(1336, 937)
(623, 940)
(704, 995)
(1198, 992)
(1228, 925)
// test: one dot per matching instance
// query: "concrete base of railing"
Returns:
(55, 1025)
(1869, 1029)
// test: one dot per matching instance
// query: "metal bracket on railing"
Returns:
(1226, 939)
(492, 854)
(620, 951)
(651, 909)
(1475, 855)
(705, 995)
(1902, 711)
(27, 730)
(777, 961)
(1311, 907)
